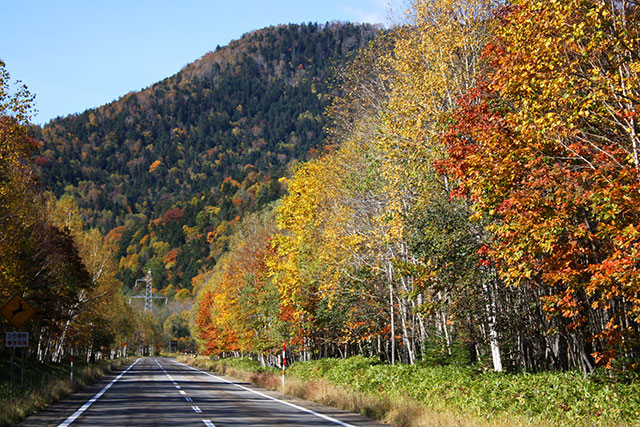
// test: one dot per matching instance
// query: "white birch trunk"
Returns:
(493, 334)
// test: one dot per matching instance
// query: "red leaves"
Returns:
(549, 167)
(172, 215)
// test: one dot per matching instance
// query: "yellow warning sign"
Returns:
(17, 311)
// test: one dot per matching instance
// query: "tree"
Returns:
(17, 213)
(546, 146)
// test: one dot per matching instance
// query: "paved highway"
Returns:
(163, 392)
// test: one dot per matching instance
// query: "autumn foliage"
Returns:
(65, 272)
(546, 146)
(480, 191)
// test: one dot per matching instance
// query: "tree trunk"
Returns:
(491, 323)
(393, 327)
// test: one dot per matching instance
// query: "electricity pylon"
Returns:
(148, 294)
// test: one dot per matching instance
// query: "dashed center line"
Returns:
(195, 408)
(266, 396)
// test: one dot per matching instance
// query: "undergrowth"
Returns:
(414, 395)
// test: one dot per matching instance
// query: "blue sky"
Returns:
(79, 54)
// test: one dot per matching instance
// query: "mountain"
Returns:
(165, 172)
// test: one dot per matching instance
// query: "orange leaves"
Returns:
(238, 305)
(115, 235)
(154, 166)
(171, 256)
(544, 148)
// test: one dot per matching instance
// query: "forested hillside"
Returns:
(166, 171)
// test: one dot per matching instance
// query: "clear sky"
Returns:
(79, 54)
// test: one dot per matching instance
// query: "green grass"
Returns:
(415, 395)
(45, 383)
(559, 398)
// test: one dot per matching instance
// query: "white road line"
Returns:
(90, 402)
(208, 423)
(309, 411)
(187, 398)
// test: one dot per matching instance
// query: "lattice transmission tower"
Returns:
(148, 294)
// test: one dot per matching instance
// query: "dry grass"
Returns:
(14, 409)
(401, 413)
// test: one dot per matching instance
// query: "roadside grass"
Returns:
(402, 412)
(45, 384)
(414, 395)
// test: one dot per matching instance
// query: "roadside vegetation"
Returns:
(44, 384)
(420, 395)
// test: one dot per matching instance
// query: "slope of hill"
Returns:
(166, 171)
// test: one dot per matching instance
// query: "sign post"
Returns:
(16, 339)
(22, 364)
(17, 311)
(11, 369)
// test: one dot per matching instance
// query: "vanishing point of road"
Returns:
(163, 392)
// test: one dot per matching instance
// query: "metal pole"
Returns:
(148, 301)
(284, 362)
(71, 372)
(22, 366)
(22, 370)
(11, 369)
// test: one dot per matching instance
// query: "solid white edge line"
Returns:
(309, 411)
(90, 402)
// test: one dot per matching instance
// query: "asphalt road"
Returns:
(163, 392)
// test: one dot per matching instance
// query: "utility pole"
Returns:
(148, 293)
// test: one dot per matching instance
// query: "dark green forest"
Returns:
(166, 171)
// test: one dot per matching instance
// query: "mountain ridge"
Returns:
(210, 141)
